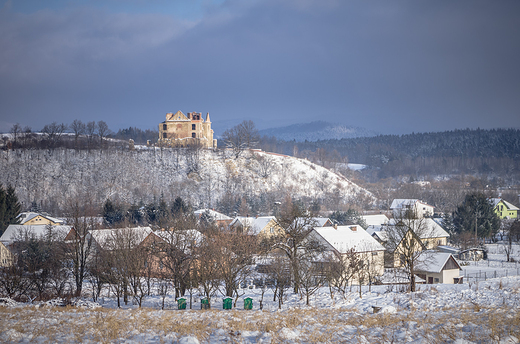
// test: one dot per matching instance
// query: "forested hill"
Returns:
(494, 153)
(498, 143)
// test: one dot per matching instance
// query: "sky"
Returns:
(394, 67)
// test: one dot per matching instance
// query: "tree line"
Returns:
(76, 135)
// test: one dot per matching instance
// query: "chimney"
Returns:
(335, 226)
(353, 228)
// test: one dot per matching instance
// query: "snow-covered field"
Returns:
(478, 311)
(483, 312)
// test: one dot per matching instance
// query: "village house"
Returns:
(438, 267)
(31, 219)
(21, 232)
(180, 130)
(504, 209)
(344, 240)
(375, 222)
(261, 226)
(411, 208)
(221, 220)
(6, 257)
(428, 232)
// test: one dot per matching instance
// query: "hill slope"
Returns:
(318, 130)
(54, 178)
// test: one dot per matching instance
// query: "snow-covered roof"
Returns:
(432, 261)
(170, 236)
(254, 224)
(214, 214)
(375, 220)
(310, 222)
(495, 201)
(400, 203)
(13, 231)
(27, 216)
(432, 229)
(321, 221)
(345, 238)
(106, 236)
(448, 249)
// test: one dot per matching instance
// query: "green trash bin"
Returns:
(181, 303)
(227, 303)
(204, 303)
(248, 303)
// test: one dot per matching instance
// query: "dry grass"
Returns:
(473, 323)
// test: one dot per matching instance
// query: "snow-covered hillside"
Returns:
(206, 178)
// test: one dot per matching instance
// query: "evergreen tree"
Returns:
(179, 207)
(349, 217)
(9, 208)
(476, 212)
(112, 213)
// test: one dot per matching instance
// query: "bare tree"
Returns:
(176, 255)
(298, 222)
(103, 131)
(16, 131)
(311, 276)
(279, 273)
(236, 258)
(340, 270)
(90, 131)
(53, 133)
(208, 267)
(79, 128)
(242, 136)
(512, 232)
(405, 243)
(79, 242)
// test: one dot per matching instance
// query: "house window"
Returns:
(193, 126)
(161, 265)
(193, 135)
(164, 127)
(271, 230)
(374, 253)
(164, 135)
(436, 280)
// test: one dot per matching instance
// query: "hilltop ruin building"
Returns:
(180, 130)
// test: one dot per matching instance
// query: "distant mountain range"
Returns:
(318, 130)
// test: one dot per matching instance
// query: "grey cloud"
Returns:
(389, 66)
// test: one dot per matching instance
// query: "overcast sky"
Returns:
(388, 66)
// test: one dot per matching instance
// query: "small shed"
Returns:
(181, 303)
(439, 267)
(248, 303)
(473, 254)
(227, 303)
(204, 303)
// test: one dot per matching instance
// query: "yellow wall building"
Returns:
(180, 130)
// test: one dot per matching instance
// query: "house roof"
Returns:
(345, 238)
(434, 230)
(399, 203)
(254, 224)
(432, 261)
(214, 214)
(13, 231)
(321, 221)
(168, 236)
(509, 206)
(28, 216)
(106, 236)
(375, 220)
